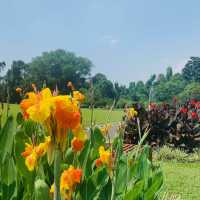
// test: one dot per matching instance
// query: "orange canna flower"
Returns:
(67, 112)
(77, 144)
(28, 150)
(69, 179)
(98, 162)
(18, 90)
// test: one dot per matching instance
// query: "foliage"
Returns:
(166, 153)
(27, 173)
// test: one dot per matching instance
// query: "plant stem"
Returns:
(57, 161)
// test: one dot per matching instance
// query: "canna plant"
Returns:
(51, 156)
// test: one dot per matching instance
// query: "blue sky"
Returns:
(126, 39)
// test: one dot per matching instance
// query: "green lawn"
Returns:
(100, 116)
(182, 180)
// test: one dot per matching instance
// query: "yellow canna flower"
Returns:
(78, 96)
(131, 113)
(105, 156)
(33, 153)
(31, 161)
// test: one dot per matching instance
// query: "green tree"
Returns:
(58, 67)
(191, 71)
(169, 73)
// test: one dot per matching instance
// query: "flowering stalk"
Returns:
(57, 161)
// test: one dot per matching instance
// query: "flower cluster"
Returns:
(68, 181)
(32, 153)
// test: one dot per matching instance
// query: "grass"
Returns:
(182, 179)
(100, 116)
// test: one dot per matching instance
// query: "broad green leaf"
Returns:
(8, 173)
(41, 190)
(156, 184)
(135, 192)
(121, 175)
(91, 188)
(6, 139)
(9, 192)
(97, 138)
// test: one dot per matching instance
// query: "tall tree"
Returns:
(169, 73)
(57, 67)
(191, 71)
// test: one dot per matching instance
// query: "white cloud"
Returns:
(111, 40)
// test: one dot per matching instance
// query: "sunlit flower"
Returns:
(131, 113)
(67, 112)
(78, 96)
(28, 150)
(41, 149)
(33, 153)
(105, 156)
(18, 90)
(77, 144)
(68, 181)
(31, 161)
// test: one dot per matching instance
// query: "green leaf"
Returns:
(135, 192)
(97, 138)
(84, 157)
(157, 182)
(6, 139)
(69, 156)
(91, 188)
(121, 175)
(106, 191)
(41, 190)
(20, 139)
(8, 174)
(9, 192)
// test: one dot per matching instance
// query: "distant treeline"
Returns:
(56, 68)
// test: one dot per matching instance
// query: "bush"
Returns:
(169, 154)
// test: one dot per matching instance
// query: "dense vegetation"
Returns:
(55, 68)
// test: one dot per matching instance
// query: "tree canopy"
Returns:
(56, 68)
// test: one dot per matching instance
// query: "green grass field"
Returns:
(100, 116)
(182, 180)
